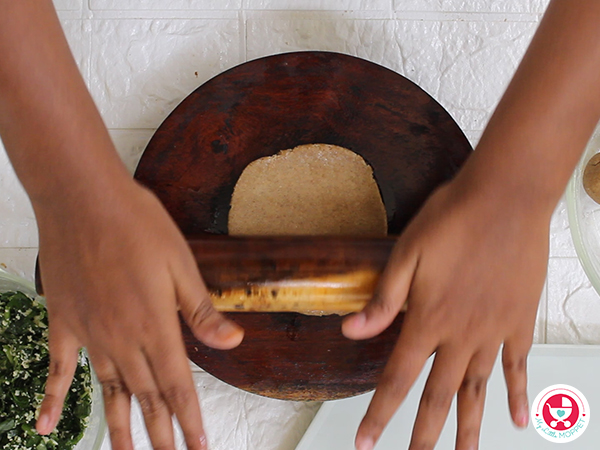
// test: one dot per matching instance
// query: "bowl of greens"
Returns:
(24, 360)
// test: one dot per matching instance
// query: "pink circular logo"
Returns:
(560, 413)
(557, 411)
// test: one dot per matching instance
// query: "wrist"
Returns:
(74, 190)
(500, 191)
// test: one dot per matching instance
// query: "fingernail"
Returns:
(227, 329)
(43, 424)
(359, 321)
(203, 443)
(523, 421)
(365, 443)
(523, 417)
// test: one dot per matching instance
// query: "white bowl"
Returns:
(584, 216)
(96, 430)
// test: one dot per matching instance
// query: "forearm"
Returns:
(49, 124)
(544, 120)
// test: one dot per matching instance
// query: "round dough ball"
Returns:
(591, 178)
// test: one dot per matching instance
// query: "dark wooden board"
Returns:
(298, 357)
(257, 109)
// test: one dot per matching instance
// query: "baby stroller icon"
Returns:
(561, 414)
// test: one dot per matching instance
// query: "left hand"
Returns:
(116, 270)
(471, 271)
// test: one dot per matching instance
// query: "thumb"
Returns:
(389, 299)
(208, 325)
(64, 354)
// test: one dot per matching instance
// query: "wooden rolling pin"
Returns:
(310, 275)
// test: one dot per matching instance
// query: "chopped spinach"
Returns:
(24, 361)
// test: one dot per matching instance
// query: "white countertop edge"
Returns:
(537, 350)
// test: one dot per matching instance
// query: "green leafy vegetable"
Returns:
(24, 362)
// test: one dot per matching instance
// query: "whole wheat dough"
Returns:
(314, 189)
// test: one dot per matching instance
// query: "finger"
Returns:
(117, 401)
(514, 362)
(443, 382)
(208, 325)
(405, 364)
(140, 381)
(171, 370)
(64, 353)
(471, 398)
(390, 297)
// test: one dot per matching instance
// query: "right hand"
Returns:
(115, 271)
(471, 267)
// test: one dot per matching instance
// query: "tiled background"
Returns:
(140, 58)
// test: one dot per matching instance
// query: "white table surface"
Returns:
(140, 58)
(335, 425)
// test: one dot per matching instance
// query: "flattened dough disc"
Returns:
(310, 190)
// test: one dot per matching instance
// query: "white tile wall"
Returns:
(500, 6)
(561, 242)
(164, 4)
(130, 145)
(574, 308)
(141, 57)
(141, 69)
(78, 35)
(320, 5)
(17, 222)
(465, 65)
(67, 5)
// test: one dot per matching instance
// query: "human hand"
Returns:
(471, 271)
(115, 270)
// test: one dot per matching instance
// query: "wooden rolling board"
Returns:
(257, 109)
